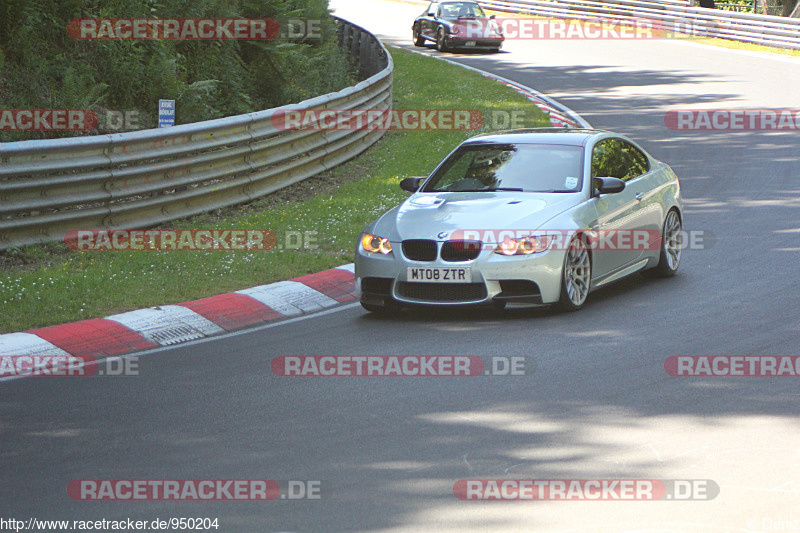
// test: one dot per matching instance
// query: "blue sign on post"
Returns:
(166, 113)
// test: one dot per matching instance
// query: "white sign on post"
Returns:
(166, 113)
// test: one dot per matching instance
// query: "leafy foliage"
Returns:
(42, 67)
(618, 159)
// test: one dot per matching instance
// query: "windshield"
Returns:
(520, 167)
(460, 10)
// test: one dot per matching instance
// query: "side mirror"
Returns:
(411, 184)
(608, 185)
(491, 17)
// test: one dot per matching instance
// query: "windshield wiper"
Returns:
(513, 189)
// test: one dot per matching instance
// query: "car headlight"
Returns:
(375, 244)
(524, 246)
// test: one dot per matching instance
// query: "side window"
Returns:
(636, 160)
(601, 154)
(618, 159)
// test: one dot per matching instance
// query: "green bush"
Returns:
(42, 67)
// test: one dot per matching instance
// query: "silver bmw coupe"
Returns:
(524, 217)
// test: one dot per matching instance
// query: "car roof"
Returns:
(568, 136)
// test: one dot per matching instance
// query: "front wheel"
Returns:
(671, 245)
(576, 277)
(419, 40)
(441, 42)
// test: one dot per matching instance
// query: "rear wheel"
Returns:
(419, 40)
(671, 245)
(441, 43)
(576, 277)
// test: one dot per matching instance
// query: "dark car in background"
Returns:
(453, 25)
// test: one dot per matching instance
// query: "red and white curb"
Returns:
(167, 325)
(558, 117)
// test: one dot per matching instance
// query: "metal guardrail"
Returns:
(145, 178)
(675, 16)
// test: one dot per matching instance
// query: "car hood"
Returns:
(438, 215)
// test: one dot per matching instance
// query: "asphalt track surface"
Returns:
(599, 404)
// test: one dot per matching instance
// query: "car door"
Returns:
(619, 214)
(646, 182)
(429, 22)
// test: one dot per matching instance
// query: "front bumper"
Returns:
(480, 44)
(521, 279)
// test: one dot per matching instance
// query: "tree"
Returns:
(43, 67)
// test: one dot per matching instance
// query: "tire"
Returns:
(576, 277)
(669, 258)
(441, 43)
(419, 40)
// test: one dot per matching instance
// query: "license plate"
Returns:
(439, 275)
(470, 43)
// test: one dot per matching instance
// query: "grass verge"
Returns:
(741, 45)
(317, 222)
